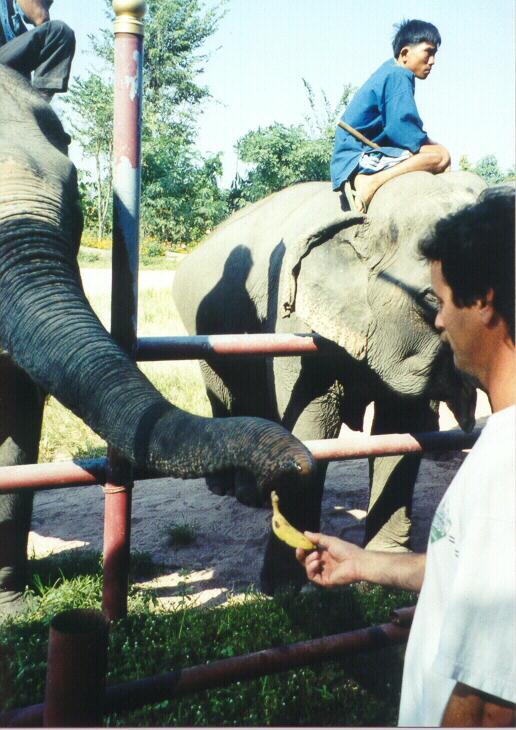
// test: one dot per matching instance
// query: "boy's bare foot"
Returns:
(46, 95)
(366, 186)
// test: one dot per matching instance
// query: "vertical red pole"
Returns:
(76, 669)
(124, 301)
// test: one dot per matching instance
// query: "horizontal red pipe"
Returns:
(56, 475)
(356, 444)
(140, 692)
(353, 445)
(203, 346)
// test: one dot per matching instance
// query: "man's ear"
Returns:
(403, 54)
(486, 307)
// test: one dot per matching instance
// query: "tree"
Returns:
(488, 169)
(91, 102)
(180, 195)
(283, 155)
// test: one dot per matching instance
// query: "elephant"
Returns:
(51, 342)
(298, 262)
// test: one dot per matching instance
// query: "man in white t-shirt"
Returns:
(460, 664)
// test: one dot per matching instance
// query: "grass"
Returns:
(96, 254)
(359, 690)
(181, 534)
(102, 260)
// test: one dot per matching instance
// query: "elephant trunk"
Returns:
(50, 330)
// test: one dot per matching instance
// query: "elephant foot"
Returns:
(280, 570)
(12, 605)
(246, 489)
(222, 484)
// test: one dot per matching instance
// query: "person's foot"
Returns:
(46, 95)
(366, 187)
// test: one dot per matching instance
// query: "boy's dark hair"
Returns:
(412, 32)
(475, 246)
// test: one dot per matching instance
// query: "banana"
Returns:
(285, 531)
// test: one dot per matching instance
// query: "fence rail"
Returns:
(352, 445)
(137, 693)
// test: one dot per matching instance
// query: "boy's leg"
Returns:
(55, 60)
(431, 158)
(47, 50)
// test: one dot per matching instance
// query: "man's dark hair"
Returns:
(412, 32)
(475, 246)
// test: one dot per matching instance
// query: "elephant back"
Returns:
(249, 249)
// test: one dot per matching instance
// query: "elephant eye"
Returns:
(429, 303)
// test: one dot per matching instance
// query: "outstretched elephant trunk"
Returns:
(50, 331)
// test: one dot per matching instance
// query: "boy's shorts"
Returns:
(375, 161)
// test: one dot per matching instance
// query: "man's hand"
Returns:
(333, 563)
(337, 562)
(467, 707)
(36, 11)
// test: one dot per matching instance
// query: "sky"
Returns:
(264, 48)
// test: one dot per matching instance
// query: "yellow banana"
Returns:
(285, 531)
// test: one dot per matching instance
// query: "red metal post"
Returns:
(76, 669)
(124, 298)
(117, 537)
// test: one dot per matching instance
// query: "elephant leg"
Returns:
(392, 478)
(308, 405)
(237, 388)
(220, 399)
(21, 411)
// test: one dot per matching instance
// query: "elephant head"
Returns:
(377, 303)
(49, 329)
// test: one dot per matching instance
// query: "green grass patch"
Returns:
(359, 690)
(93, 260)
(181, 534)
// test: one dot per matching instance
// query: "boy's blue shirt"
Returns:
(384, 110)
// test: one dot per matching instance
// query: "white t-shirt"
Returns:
(464, 628)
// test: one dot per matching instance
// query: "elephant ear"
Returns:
(332, 291)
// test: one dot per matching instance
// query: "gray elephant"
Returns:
(52, 342)
(296, 262)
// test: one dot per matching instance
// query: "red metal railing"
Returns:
(353, 445)
(138, 693)
(205, 346)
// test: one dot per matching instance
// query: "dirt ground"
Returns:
(230, 538)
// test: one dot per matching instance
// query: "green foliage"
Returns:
(283, 155)
(487, 168)
(91, 103)
(181, 534)
(360, 689)
(181, 199)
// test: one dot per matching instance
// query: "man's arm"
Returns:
(467, 707)
(336, 562)
(36, 11)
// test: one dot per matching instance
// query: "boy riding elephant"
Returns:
(381, 135)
